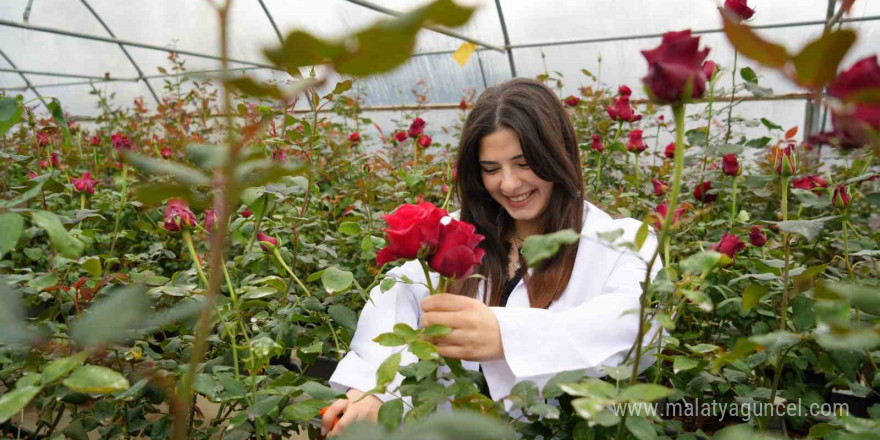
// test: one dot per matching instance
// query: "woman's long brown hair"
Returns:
(546, 135)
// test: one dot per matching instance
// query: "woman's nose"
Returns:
(509, 182)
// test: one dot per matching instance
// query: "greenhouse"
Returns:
(439, 219)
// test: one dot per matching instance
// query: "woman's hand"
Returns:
(475, 333)
(351, 410)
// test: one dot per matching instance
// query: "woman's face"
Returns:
(508, 178)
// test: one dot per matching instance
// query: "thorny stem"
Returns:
(732, 95)
(290, 272)
(120, 206)
(786, 237)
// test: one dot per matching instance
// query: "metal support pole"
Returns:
(124, 50)
(507, 46)
(65, 75)
(482, 72)
(26, 82)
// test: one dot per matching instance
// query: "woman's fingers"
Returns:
(347, 418)
(331, 413)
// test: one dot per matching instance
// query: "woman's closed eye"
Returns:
(494, 170)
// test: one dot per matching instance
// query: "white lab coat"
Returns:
(592, 324)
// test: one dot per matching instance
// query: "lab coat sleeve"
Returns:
(400, 304)
(539, 343)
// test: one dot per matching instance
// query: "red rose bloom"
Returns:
(43, 138)
(354, 138)
(622, 110)
(669, 152)
(709, 69)
(267, 242)
(855, 124)
(424, 141)
(463, 104)
(787, 161)
(662, 209)
(400, 136)
(660, 187)
(247, 213)
(178, 216)
(840, 198)
(84, 184)
(730, 165)
(624, 91)
(416, 128)
(597, 144)
(120, 142)
(411, 228)
(675, 64)
(210, 219)
(95, 141)
(757, 237)
(810, 183)
(739, 8)
(729, 245)
(701, 193)
(635, 143)
(55, 159)
(166, 153)
(572, 101)
(457, 253)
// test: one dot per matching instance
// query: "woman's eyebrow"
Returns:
(492, 162)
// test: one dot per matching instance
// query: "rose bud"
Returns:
(710, 69)
(729, 245)
(675, 65)
(178, 216)
(120, 142)
(669, 152)
(787, 161)
(739, 8)
(354, 138)
(457, 252)
(622, 110)
(662, 209)
(624, 91)
(636, 144)
(44, 163)
(279, 155)
(444, 189)
(463, 104)
(597, 144)
(701, 193)
(267, 243)
(660, 187)
(400, 136)
(95, 141)
(416, 128)
(166, 153)
(730, 165)
(55, 158)
(572, 101)
(247, 213)
(424, 141)
(411, 228)
(210, 218)
(72, 127)
(757, 237)
(840, 198)
(661, 118)
(43, 138)
(810, 183)
(84, 184)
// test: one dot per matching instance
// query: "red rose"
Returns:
(463, 104)
(597, 144)
(279, 155)
(43, 138)
(660, 187)
(178, 216)
(416, 128)
(44, 164)
(55, 158)
(810, 183)
(787, 161)
(669, 152)
(84, 184)
(757, 237)
(739, 8)
(701, 193)
(729, 245)
(354, 138)
(210, 219)
(95, 141)
(622, 110)
(424, 141)
(120, 142)
(857, 122)
(411, 228)
(624, 91)
(662, 209)
(72, 127)
(730, 165)
(267, 243)
(400, 136)
(840, 198)
(635, 143)
(675, 65)
(572, 101)
(709, 69)
(166, 153)
(247, 213)
(457, 253)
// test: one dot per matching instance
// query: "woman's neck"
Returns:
(525, 229)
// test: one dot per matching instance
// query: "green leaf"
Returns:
(342, 87)
(424, 350)
(112, 319)
(92, 265)
(387, 370)
(644, 392)
(303, 411)
(66, 244)
(387, 284)
(96, 379)
(524, 394)
(14, 401)
(816, 65)
(756, 90)
(552, 389)
(770, 124)
(11, 227)
(319, 391)
(683, 363)
(701, 262)
(180, 173)
(58, 115)
(389, 340)
(750, 45)
(264, 406)
(748, 75)
(13, 328)
(60, 367)
(641, 235)
(809, 229)
(590, 388)
(208, 156)
(10, 113)
(390, 414)
(752, 296)
(343, 316)
(153, 193)
(436, 330)
(697, 137)
(594, 411)
(406, 332)
(350, 228)
(537, 248)
(775, 341)
(336, 280)
(640, 428)
(760, 142)
(862, 297)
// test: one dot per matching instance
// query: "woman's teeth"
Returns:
(522, 197)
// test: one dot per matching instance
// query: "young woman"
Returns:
(519, 174)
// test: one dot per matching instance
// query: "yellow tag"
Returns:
(464, 52)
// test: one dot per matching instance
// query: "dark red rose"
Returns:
(701, 193)
(624, 91)
(729, 245)
(424, 141)
(622, 110)
(354, 138)
(572, 101)
(120, 142)
(411, 228)
(84, 184)
(675, 65)
(810, 183)
(597, 144)
(210, 219)
(44, 164)
(416, 128)
(660, 187)
(247, 213)
(856, 123)
(662, 209)
(787, 161)
(178, 216)
(457, 253)
(709, 69)
(267, 242)
(739, 8)
(55, 159)
(166, 153)
(757, 237)
(279, 155)
(635, 143)
(463, 104)
(730, 165)
(840, 198)
(400, 136)
(95, 141)
(669, 152)
(43, 138)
